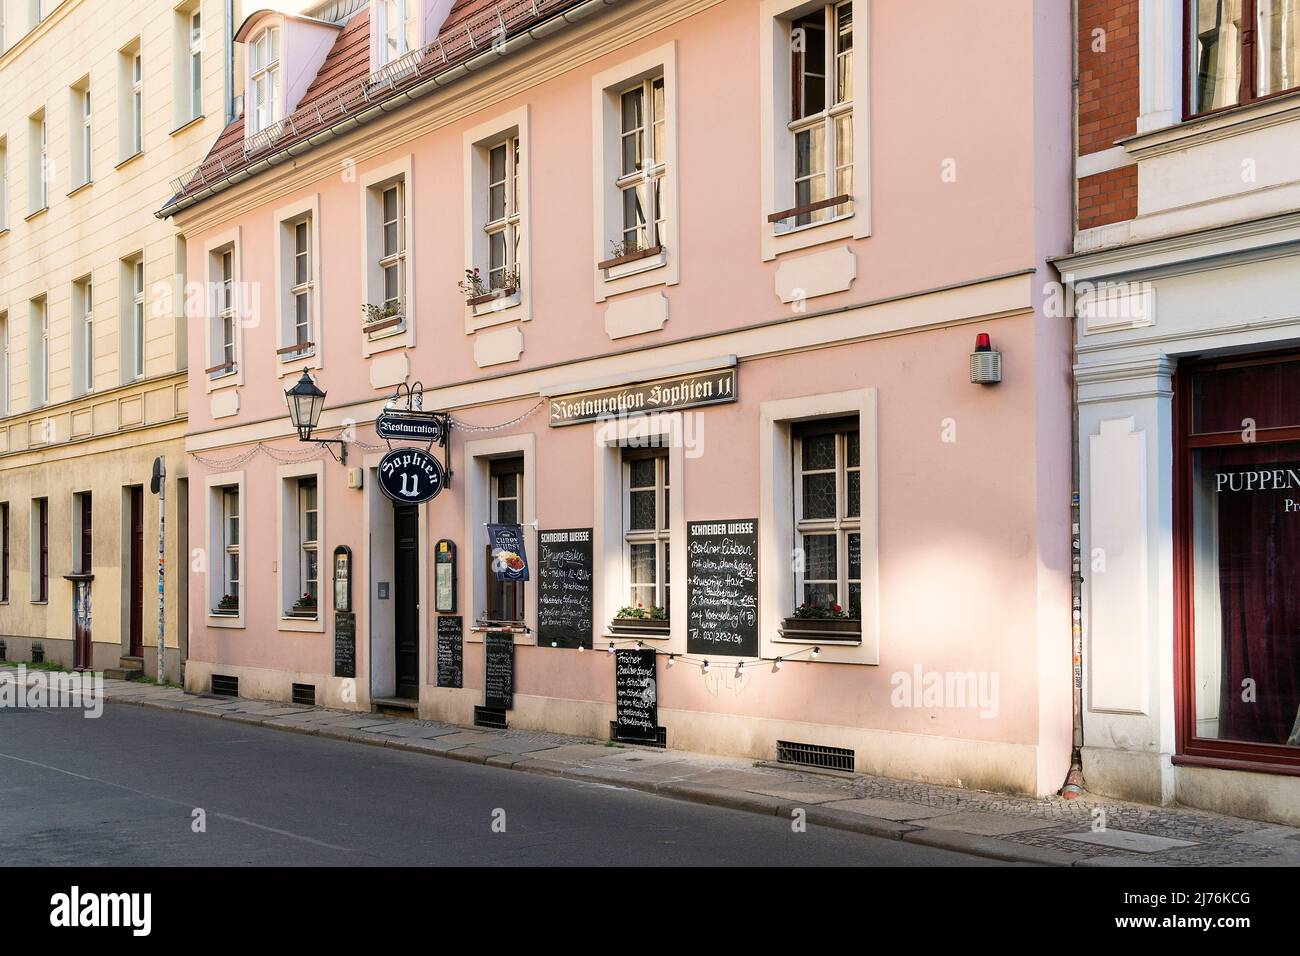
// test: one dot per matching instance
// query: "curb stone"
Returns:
(988, 847)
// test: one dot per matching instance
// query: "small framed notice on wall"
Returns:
(444, 577)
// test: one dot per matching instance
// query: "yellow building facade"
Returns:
(103, 105)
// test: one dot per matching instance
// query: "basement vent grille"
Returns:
(38, 653)
(812, 755)
(4, 651)
(491, 717)
(304, 694)
(223, 685)
(660, 741)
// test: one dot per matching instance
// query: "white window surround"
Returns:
(608, 547)
(777, 488)
(285, 217)
(213, 485)
(212, 279)
(371, 184)
(477, 142)
(407, 30)
(264, 69)
(777, 152)
(607, 225)
(287, 547)
(477, 490)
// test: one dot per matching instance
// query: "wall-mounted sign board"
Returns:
(665, 395)
(449, 655)
(345, 644)
(412, 427)
(722, 588)
(411, 476)
(564, 588)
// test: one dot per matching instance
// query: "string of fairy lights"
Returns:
(703, 663)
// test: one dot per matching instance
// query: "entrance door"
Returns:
(82, 658)
(406, 597)
(137, 571)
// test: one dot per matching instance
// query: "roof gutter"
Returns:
(541, 31)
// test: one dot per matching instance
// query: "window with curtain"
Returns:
(1241, 553)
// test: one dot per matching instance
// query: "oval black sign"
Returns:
(410, 476)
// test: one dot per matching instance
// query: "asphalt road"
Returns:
(123, 789)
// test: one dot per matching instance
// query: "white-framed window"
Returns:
(39, 358)
(80, 127)
(399, 29)
(502, 225)
(642, 165)
(308, 544)
(83, 344)
(230, 544)
(300, 539)
(131, 318)
(225, 320)
(194, 61)
(39, 166)
(635, 192)
(264, 80)
(137, 103)
(301, 288)
(392, 250)
(4, 182)
(4, 363)
(646, 529)
(828, 516)
(821, 115)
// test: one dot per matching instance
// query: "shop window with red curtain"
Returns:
(1239, 560)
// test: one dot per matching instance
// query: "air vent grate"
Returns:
(660, 741)
(223, 685)
(304, 694)
(813, 755)
(38, 653)
(493, 718)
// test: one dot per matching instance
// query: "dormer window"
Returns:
(399, 29)
(263, 79)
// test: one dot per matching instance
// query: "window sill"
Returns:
(83, 186)
(655, 259)
(36, 212)
(187, 124)
(215, 612)
(629, 628)
(494, 302)
(779, 233)
(130, 159)
(1211, 126)
(291, 355)
(385, 329)
(484, 627)
(41, 603)
(795, 630)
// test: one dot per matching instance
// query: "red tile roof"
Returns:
(344, 86)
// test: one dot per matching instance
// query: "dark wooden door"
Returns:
(82, 658)
(137, 572)
(406, 595)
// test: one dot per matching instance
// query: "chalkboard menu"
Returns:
(450, 654)
(499, 670)
(345, 644)
(722, 588)
(636, 696)
(564, 586)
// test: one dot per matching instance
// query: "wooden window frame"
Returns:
(263, 80)
(501, 595)
(653, 169)
(1191, 750)
(508, 225)
(1248, 81)
(231, 549)
(660, 535)
(842, 525)
(194, 73)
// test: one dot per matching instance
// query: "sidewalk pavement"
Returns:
(1048, 831)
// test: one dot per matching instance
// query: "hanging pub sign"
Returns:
(722, 588)
(410, 476)
(509, 559)
(665, 395)
(412, 427)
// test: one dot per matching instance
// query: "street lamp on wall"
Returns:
(306, 402)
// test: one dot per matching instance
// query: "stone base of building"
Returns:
(947, 761)
(60, 651)
(1153, 778)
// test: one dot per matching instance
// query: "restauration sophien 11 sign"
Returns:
(664, 395)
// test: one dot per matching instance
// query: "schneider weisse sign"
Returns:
(665, 395)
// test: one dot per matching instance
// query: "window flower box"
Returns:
(228, 605)
(640, 621)
(501, 292)
(381, 318)
(629, 259)
(304, 607)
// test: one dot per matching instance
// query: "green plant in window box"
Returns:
(305, 606)
(229, 603)
(377, 314)
(478, 290)
(641, 620)
(821, 619)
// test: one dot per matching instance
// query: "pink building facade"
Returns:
(732, 260)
